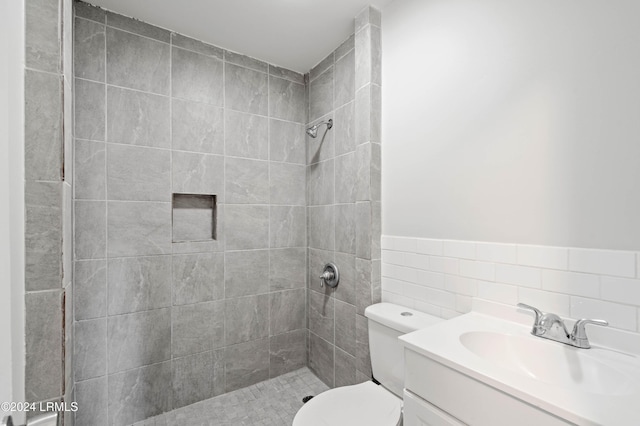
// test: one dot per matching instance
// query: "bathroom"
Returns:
(169, 214)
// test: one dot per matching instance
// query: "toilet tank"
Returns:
(387, 322)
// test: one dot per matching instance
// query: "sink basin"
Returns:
(477, 353)
(549, 362)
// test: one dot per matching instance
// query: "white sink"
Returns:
(550, 362)
(597, 386)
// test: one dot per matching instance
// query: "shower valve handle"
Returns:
(326, 276)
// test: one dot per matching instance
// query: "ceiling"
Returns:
(294, 34)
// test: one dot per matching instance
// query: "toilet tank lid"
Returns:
(400, 318)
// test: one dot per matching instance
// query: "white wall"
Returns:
(512, 121)
(12, 202)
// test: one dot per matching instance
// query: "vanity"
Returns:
(479, 369)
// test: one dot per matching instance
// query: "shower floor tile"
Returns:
(273, 402)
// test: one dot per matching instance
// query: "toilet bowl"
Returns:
(368, 403)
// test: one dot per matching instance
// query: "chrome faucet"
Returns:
(551, 326)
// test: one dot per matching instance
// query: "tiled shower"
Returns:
(202, 213)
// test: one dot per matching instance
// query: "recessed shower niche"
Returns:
(193, 217)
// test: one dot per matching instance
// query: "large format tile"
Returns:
(321, 315)
(137, 118)
(288, 268)
(246, 227)
(345, 178)
(90, 170)
(138, 173)
(197, 328)
(287, 352)
(197, 127)
(42, 35)
(137, 62)
(90, 229)
(198, 277)
(345, 79)
(246, 181)
(138, 284)
(138, 339)
(245, 273)
(245, 61)
(322, 66)
(137, 27)
(286, 100)
(89, 50)
(346, 327)
(286, 142)
(346, 291)
(363, 229)
(43, 345)
(196, 77)
(195, 173)
(276, 71)
(321, 358)
(316, 261)
(321, 95)
(345, 368)
(288, 226)
(345, 138)
(139, 394)
(362, 115)
(346, 228)
(90, 355)
(193, 378)
(287, 184)
(246, 135)
(246, 90)
(197, 46)
(363, 57)
(88, 11)
(43, 235)
(90, 289)
(364, 283)
(246, 364)
(92, 398)
(363, 358)
(321, 232)
(138, 228)
(320, 183)
(246, 318)
(42, 126)
(90, 108)
(287, 311)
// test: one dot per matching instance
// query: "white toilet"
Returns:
(367, 403)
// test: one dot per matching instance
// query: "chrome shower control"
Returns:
(330, 276)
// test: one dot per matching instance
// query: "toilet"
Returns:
(368, 403)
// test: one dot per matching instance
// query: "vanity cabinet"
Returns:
(418, 412)
(436, 395)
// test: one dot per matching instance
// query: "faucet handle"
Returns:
(535, 310)
(579, 335)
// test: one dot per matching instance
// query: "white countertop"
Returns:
(441, 343)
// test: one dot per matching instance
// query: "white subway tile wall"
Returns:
(444, 277)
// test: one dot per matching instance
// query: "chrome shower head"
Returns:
(313, 130)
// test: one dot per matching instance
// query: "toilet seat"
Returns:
(364, 404)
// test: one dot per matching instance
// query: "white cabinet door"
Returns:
(418, 412)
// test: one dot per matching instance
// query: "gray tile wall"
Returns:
(156, 113)
(48, 198)
(343, 194)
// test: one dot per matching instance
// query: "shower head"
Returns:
(313, 130)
